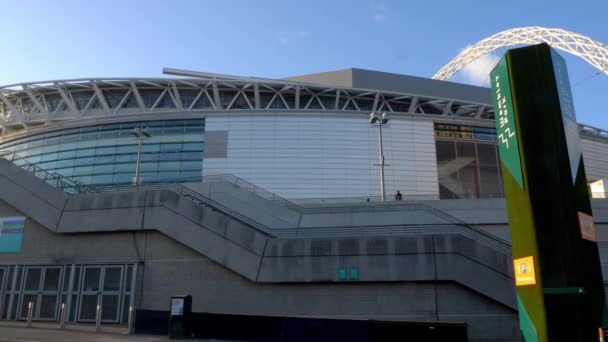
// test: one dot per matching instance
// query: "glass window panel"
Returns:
(150, 148)
(91, 279)
(191, 175)
(125, 158)
(125, 309)
(192, 156)
(65, 163)
(84, 161)
(73, 309)
(169, 166)
(87, 152)
(69, 138)
(51, 279)
(193, 147)
(105, 150)
(83, 170)
(168, 175)
(170, 156)
(104, 160)
(487, 154)
(104, 168)
(66, 154)
(5, 307)
(170, 147)
(88, 307)
(149, 176)
(108, 134)
(32, 280)
(128, 167)
(66, 279)
(76, 284)
(126, 149)
(110, 307)
(194, 130)
(192, 165)
(25, 304)
(148, 167)
(67, 172)
(19, 274)
(465, 149)
(103, 179)
(48, 306)
(150, 157)
(173, 130)
(129, 273)
(123, 178)
(83, 179)
(112, 279)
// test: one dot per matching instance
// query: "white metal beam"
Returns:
(100, 97)
(18, 115)
(140, 101)
(37, 103)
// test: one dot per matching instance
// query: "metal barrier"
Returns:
(30, 314)
(98, 319)
(261, 192)
(62, 317)
(56, 180)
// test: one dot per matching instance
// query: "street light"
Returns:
(374, 120)
(139, 134)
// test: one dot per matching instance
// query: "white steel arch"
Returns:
(593, 52)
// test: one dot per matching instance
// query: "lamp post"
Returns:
(374, 120)
(139, 134)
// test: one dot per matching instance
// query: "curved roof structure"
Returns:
(593, 52)
(28, 105)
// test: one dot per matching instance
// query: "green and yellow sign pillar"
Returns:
(560, 294)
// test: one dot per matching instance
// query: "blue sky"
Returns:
(45, 40)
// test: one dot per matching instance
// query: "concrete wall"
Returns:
(167, 267)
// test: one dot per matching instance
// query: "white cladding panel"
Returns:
(320, 156)
(595, 157)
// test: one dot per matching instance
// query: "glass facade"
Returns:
(468, 170)
(106, 154)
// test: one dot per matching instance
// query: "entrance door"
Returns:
(102, 285)
(42, 288)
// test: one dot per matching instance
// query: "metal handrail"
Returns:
(454, 225)
(251, 187)
(56, 180)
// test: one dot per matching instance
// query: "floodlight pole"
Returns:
(383, 120)
(140, 134)
(382, 192)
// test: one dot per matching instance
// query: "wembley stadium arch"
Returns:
(591, 51)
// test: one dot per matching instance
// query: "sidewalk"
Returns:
(11, 331)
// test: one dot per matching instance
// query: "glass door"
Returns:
(31, 288)
(42, 288)
(110, 295)
(101, 285)
(89, 293)
(49, 294)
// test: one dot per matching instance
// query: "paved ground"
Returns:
(50, 332)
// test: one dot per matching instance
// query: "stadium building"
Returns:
(260, 198)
